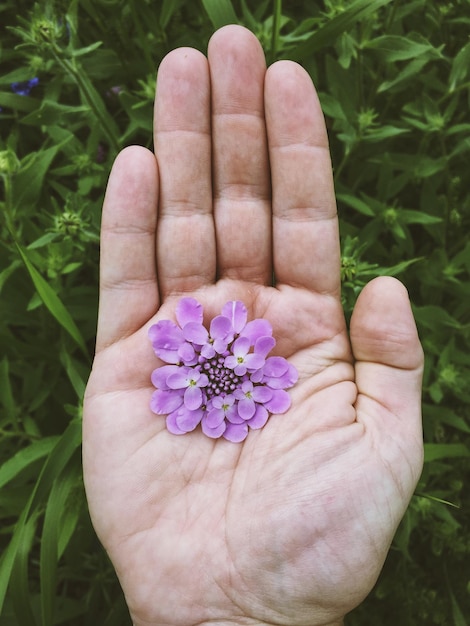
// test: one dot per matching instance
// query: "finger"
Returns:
(305, 227)
(128, 288)
(186, 254)
(389, 365)
(240, 157)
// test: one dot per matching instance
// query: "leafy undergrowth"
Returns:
(77, 84)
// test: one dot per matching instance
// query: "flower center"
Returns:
(222, 380)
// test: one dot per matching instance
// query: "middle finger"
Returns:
(241, 180)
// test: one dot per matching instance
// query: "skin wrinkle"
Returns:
(132, 230)
(245, 194)
(186, 209)
(128, 284)
(314, 214)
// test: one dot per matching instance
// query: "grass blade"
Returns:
(341, 23)
(434, 451)
(49, 554)
(55, 463)
(167, 10)
(23, 458)
(19, 579)
(6, 394)
(52, 301)
(220, 12)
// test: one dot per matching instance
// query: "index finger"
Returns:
(305, 226)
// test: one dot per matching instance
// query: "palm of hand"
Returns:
(291, 526)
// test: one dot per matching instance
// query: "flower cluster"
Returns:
(221, 378)
(24, 87)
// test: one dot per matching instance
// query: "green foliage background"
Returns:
(394, 81)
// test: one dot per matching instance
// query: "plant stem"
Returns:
(277, 12)
(81, 84)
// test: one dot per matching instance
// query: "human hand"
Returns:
(291, 526)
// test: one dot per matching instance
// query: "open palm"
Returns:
(291, 526)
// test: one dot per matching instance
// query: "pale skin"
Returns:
(291, 526)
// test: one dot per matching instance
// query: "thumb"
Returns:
(389, 365)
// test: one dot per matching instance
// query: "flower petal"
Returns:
(214, 433)
(241, 346)
(166, 334)
(236, 432)
(236, 312)
(214, 418)
(256, 329)
(285, 380)
(279, 403)
(262, 394)
(187, 354)
(168, 356)
(259, 419)
(254, 361)
(264, 345)
(160, 375)
(240, 369)
(189, 310)
(164, 402)
(187, 420)
(192, 398)
(220, 327)
(195, 333)
(230, 361)
(246, 408)
(256, 376)
(232, 416)
(180, 379)
(172, 426)
(276, 366)
(207, 351)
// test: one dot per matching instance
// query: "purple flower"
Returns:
(222, 378)
(23, 88)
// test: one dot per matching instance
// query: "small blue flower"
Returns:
(23, 88)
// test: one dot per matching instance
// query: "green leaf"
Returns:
(434, 451)
(45, 240)
(435, 318)
(55, 463)
(18, 103)
(168, 8)
(220, 12)
(396, 48)
(397, 269)
(382, 133)
(416, 217)
(73, 374)
(51, 113)
(340, 24)
(16, 76)
(460, 67)
(49, 554)
(19, 587)
(82, 51)
(436, 499)
(446, 416)
(25, 457)
(7, 272)
(356, 203)
(93, 99)
(457, 615)
(6, 394)
(52, 301)
(28, 182)
(411, 71)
